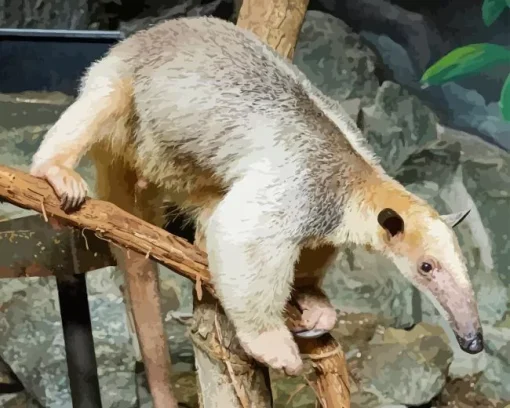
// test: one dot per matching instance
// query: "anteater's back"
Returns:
(203, 87)
(211, 98)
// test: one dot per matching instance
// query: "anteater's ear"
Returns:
(391, 221)
(456, 218)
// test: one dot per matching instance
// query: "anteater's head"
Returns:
(424, 247)
(425, 250)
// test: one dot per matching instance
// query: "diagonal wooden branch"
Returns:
(110, 223)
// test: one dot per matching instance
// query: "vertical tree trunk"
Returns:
(227, 377)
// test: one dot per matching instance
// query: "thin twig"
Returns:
(43, 210)
(85, 238)
(198, 288)
(299, 388)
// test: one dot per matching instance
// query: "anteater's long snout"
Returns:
(456, 297)
(465, 322)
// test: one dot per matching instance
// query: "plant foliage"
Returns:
(492, 9)
(470, 59)
(474, 58)
(504, 101)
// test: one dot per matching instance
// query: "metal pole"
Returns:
(79, 344)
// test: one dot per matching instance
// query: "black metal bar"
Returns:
(79, 344)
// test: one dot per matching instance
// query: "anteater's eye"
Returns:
(426, 267)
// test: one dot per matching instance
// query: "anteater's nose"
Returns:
(473, 345)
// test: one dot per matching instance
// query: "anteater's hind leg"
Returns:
(117, 183)
(318, 314)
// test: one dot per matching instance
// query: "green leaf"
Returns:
(504, 101)
(491, 10)
(467, 60)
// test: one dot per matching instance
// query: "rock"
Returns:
(505, 322)
(105, 14)
(494, 381)
(31, 340)
(397, 63)
(457, 105)
(461, 393)
(334, 58)
(467, 109)
(488, 167)
(359, 281)
(396, 125)
(363, 399)
(33, 305)
(415, 33)
(407, 43)
(18, 400)
(34, 344)
(406, 367)
(48, 14)
(352, 107)
(355, 330)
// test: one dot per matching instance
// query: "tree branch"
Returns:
(110, 223)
